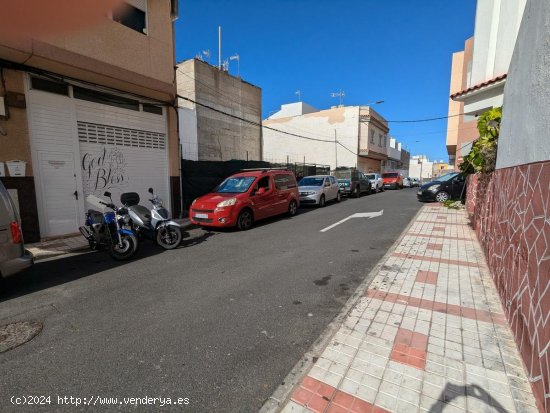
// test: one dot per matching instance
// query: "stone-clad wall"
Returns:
(510, 211)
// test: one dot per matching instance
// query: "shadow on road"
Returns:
(52, 272)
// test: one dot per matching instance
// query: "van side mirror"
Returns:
(107, 194)
(150, 190)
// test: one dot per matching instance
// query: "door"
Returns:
(264, 199)
(59, 192)
(457, 185)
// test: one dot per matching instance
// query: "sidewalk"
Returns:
(427, 335)
(60, 246)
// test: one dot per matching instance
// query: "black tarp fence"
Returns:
(200, 177)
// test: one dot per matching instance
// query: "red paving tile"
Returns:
(410, 348)
(326, 398)
(438, 229)
(416, 234)
(427, 277)
(456, 224)
(439, 260)
(435, 247)
(465, 312)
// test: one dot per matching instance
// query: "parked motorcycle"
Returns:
(106, 229)
(154, 224)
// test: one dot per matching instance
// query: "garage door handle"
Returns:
(76, 194)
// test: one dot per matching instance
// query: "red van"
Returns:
(245, 197)
(392, 180)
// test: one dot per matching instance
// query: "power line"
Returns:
(423, 120)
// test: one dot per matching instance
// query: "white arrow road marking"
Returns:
(357, 215)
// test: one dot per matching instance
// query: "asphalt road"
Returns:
(220, 321)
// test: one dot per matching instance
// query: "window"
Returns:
(371, 136)
(105, 98)
(281, 181)
(379, 139)
(157, 110)
(51, 86)
(333, 180)
(131, 17)
(385, 140)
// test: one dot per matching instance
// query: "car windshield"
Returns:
(236, 185)
(371, 176)
(390, 175)
(343, 174)
(446, 177)
(311, 181)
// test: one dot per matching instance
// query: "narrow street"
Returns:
(221, 320)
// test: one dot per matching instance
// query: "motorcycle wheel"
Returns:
(127, 250)
(169, 237)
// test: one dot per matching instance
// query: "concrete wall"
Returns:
(525, 132)
(319, 125)
(15, 144)
(293, 109)
(220, 137)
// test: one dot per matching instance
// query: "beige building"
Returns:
(441, 168)
(343, 136)
(88, 110)
(206, 133)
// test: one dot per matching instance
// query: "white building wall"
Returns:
(525, 132)
(187, 119)
(293, 109)
(393, 151)
(279, 147)
(496, 27)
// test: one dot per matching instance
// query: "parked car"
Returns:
(407, 183)
(13, 256)
(415, 182)
(352, 182)
(448, 186)
(246, 197)
(376, 181)
(318, 190)
(392, 180)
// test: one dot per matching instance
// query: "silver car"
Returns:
(377, 183)
(13, 256)
(318, 190)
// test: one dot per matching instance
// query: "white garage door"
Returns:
(122, 151)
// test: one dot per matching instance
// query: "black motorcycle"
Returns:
(106, 229)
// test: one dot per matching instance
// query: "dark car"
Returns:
(353, 182)
(448, 186)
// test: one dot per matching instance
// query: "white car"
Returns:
(318, 190)
(377, 183)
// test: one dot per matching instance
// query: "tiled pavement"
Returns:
(427, 335)
(60, 246)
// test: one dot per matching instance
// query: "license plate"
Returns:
(201, 215)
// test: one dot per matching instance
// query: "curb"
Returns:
(43, 254)
(281, 395)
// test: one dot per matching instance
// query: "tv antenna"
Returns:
(299, 94)
(340, 95)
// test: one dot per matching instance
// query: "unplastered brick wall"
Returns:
(510, 211)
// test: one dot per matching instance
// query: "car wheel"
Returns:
(245, 220)
(322, 201)
(357, 192)
(338, 197)
(292, 208)
(442, 196)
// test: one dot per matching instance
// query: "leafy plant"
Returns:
(483, 155)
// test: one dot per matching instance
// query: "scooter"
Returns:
(106, 229)
(154, 224)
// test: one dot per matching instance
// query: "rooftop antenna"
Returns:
(340, 94)
(238, 59)
(225, 65)
(204, 54)
(299, 94)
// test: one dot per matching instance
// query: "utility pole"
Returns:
(335, 150)
(220, 47)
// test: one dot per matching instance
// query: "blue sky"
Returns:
(398, 51)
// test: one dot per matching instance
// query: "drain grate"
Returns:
(15, 334)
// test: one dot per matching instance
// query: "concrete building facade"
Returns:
(206, 133)
(344, 136)
(84, 116)
(421, 167)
